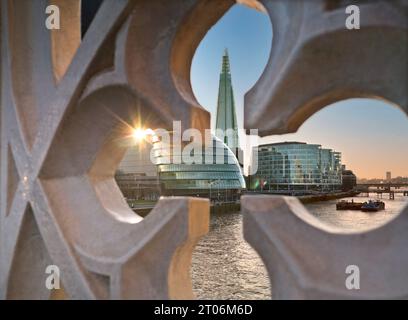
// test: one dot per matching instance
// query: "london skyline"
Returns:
(359, 128)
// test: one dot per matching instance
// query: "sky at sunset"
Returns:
(372, 135)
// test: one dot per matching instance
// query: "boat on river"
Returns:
(373, 206)
(349, 205)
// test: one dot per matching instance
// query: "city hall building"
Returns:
(142, 176)
(216, 175)
(296, 167)
(157, 169)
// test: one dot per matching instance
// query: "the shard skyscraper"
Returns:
(226, 122)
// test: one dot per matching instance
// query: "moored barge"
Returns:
(349, 205)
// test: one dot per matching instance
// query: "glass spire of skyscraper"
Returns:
(226, 122)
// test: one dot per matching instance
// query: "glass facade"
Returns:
(137, 176)
(215, 173)
(295, 166)
(226, 120)
(150, 170)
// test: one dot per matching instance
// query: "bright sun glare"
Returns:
(140, 134)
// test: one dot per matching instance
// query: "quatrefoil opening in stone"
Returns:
(70, 151)
(316, 61)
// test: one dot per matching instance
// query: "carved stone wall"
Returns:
(315, 61)
(65, 103)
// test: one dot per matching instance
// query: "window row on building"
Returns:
(296, 166)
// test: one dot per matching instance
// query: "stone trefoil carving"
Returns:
(63, 100)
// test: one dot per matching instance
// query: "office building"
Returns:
(296, 167)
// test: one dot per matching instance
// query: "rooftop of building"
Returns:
(284, 143)
(288, 143)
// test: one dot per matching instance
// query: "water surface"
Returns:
(226, 267)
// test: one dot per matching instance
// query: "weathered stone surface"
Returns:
(65, 106)
(307, 259)
(315, 61)
(62, 114)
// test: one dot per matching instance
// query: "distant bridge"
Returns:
(383, 185)
(381, 188)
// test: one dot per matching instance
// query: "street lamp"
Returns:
(211, 183)
(218, 185)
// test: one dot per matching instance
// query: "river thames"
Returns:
(226, 267)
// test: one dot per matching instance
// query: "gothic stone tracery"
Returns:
(316, 61)
(59, 203)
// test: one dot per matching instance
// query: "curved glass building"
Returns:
(211, 171)
(296, 167)
(162, 168)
